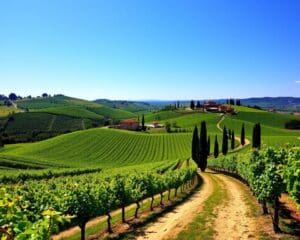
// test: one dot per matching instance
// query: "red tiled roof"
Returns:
(128, 121)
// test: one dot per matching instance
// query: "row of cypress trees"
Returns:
(201, 145)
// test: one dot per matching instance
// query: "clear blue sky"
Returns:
(154, 49)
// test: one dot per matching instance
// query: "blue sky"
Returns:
(158, 49)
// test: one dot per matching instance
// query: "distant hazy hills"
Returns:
(277, 103)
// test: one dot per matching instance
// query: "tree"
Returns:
(216, 148)
(198, 106)
(243, 135)
(168, 127)
(192, 105)
(12, 97)
(44, 95)
(256, 136)
(195, 146)
(232, 140)
(225, 142)
(143, 122)
(203, 147)
(208, 146)
(1, 142)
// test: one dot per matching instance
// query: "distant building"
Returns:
(218, 108)
(154, 125)
(129, 124)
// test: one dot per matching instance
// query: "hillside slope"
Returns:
(104, 147)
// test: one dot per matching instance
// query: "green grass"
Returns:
(72, 111)
(98, 147)
(26, 122)
(50, 102)
(202, 226)
(266, 118)
(112, 112)
(4, 110)
(162, 115)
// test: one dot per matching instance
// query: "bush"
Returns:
(292, 124)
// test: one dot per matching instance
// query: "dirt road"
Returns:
(247, 141)
(233, 220)
(173, 222)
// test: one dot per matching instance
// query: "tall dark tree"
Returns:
(256, 136)
(198, 106)
(195, 146)
(143, 122)
(12, 97)
(216, 147)
(208, 146)
(225, 142)
(243, 135)
(1, 142)
(232, 139)
(192, 105)
(203, 147)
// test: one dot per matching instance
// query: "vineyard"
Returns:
(104, 146)
(38, 209)
(70, 180)
(269, 173)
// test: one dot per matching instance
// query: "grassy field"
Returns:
(4, 110)
(72, 111)
(104, 147)
(112, 112)
(50, 102)
(109, 147)
(271, 136)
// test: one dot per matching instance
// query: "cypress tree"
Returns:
(203, 147)
(143, 122)
(192, 105)
(195, 146)
(254, 136)
(208, 146)
(243, 135)
(225, 142)
(216, 148)
(1, 142)
(232, 140)
(258, 136)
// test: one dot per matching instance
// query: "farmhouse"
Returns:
(215, 107)
(129, 124)
(154, 125)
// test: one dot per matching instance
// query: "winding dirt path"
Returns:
(247, 141)
(233, 220)
(174, 222)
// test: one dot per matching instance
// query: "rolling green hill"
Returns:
(273, 131)
(130, 106)
(50, 102)
(103, 147)
(4, 110)
(72, 111)
(51, 116)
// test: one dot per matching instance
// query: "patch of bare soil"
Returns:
(174, 222)
(233, 220)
